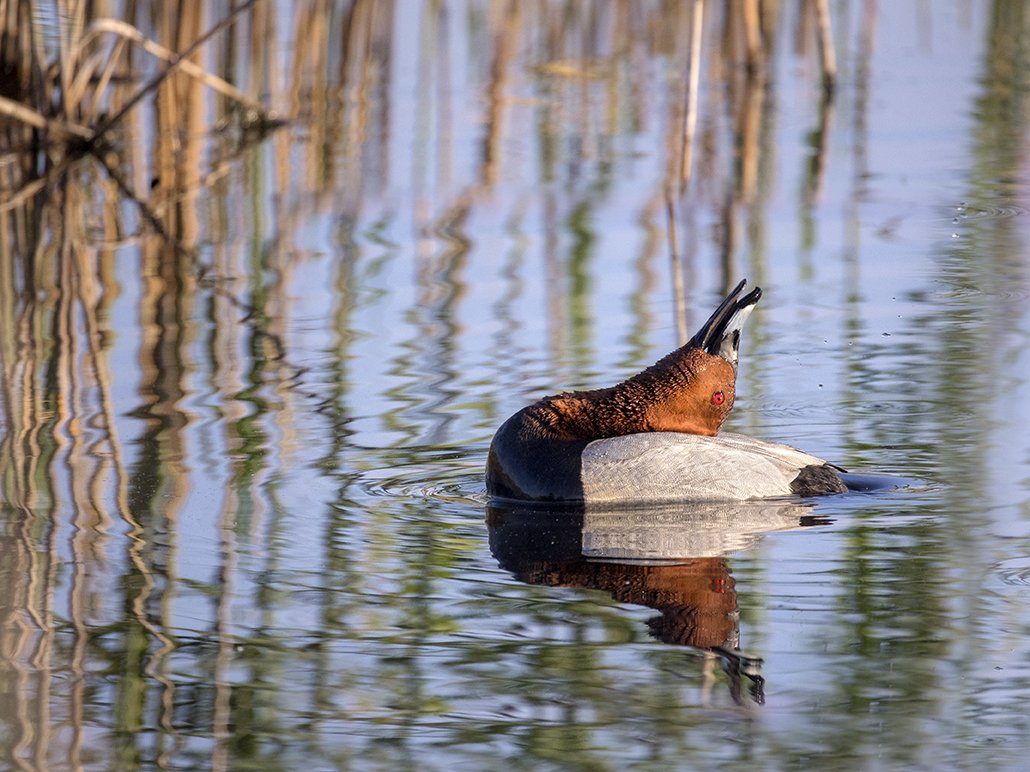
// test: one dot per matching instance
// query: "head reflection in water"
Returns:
(629, 555)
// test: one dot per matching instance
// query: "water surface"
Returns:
(244, 523)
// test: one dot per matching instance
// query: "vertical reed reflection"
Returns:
(192, 418)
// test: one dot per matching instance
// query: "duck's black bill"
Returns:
(720, 335)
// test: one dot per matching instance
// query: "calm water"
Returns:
(244, 524)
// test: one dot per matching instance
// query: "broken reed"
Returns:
(56, 92)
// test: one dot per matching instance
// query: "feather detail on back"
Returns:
(668, 466)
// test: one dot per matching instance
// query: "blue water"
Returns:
(244, 521)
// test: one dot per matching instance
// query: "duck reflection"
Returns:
(669, 558)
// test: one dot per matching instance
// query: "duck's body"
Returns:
(655, 467)
(653, 437)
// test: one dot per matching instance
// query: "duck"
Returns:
(655, 437)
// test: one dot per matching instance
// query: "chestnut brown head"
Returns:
(692, 389)
(697, 396)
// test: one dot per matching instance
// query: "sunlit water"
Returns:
(253, 532)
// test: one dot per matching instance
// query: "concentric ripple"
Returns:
(1010, 210)
(444, 478)
(1015, 571)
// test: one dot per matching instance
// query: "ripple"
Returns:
(457, 483)
(860, 482)
(896, 407)
(1007, 291)
(772, 411)
(1014, 571)
(1011, 210)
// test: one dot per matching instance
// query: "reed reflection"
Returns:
(669, 558)
(164, 385)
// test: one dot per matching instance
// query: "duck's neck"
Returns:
(674, 394)
(593, 415)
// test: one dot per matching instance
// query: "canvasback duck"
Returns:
(654, 437)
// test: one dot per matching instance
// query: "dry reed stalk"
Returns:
(66, 59)
(749, 120)
(35, 119)
(76, 71)
(510, 25)
(180, 61)
(30, 189)
(752, 34)
(827, 54)
(105, 79)
(693, 84)
(76, 89)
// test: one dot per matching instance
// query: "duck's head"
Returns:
(692, 389)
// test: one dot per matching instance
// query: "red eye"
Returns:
(718, 398)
